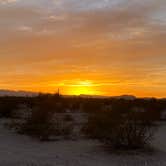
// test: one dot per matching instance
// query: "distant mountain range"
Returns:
(127, 97)
(17, 93)
(32, 94)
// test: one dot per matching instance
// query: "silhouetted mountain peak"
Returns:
(17, 93)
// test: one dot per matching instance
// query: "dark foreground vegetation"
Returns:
(130, 130)
(118, 123)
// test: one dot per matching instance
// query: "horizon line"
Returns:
(93, 95)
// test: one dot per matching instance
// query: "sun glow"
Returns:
(82, 87)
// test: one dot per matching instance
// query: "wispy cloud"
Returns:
(8, 1)
(107, 39)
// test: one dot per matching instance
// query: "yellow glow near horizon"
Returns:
(82, 87)
(97, 50)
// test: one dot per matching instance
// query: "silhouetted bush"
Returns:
(39, 124)
(129, 131)
(44, 124)
(7, 107)
(68, 118)
(10, 104)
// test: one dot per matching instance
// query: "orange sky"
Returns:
(108, 47)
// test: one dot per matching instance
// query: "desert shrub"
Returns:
(129, 131)
(39, 124)
(7, 106)
(45, 124)
(68, 126)
(68, 118)
(67, 130)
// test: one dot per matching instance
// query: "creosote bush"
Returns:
(128, 130)
(44, 125)
(39, 124)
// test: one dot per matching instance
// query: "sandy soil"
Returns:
(18, 150)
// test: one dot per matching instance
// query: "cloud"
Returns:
(119, 29)
(106, 39)
(8, 1)
(24, 28)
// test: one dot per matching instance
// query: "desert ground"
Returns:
(20, 150)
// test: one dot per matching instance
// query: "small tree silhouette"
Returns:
(129, 131)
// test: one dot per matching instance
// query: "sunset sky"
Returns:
(98, 47)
